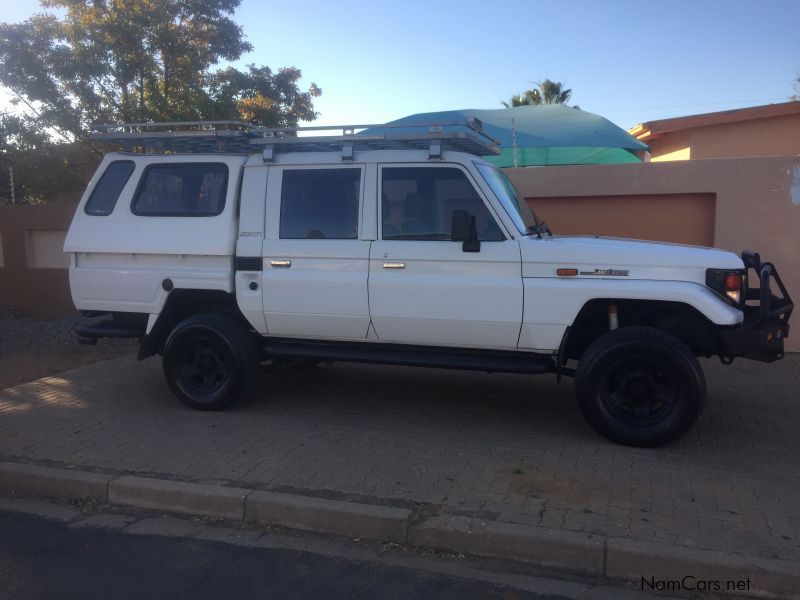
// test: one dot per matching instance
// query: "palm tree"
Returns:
(545, 92)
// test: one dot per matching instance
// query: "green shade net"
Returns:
(578, 155)
(550, 134)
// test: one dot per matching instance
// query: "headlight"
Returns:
(729, 283)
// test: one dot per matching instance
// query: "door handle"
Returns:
(394, 265)
(280, 264)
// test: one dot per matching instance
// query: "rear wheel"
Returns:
(640, 386)
(209, 360)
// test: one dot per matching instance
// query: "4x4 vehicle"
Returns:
(223, 246)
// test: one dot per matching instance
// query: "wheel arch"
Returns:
(180, 304)
(552, 304)
(679, 319)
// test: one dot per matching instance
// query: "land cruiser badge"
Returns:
(607, 272)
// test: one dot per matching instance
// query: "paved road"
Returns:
(510, 448)
(41, 559)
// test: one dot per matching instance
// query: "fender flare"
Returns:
(551, 305)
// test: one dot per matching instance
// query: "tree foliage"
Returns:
(50, 173)
(149, 60)
(111, 61)
(44, 171)
(545, 92)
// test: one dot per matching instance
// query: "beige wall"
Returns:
(773, 136)
(34, 273)
(756, 206)
(672, 146)
(44, 249)
(682, 218)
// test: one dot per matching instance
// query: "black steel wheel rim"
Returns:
(204, 367)
(639, 391)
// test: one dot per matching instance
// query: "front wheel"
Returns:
(640, 386)
(209, 360)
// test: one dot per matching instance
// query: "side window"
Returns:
(182, 190)
(320, 204)
(105, 194)
(418, 204)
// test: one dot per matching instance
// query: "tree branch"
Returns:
(52, 125)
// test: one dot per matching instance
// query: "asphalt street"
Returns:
(43, 559)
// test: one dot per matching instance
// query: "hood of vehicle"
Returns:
(619, 258)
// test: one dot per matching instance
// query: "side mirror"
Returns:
(463, 230)
(460, 226)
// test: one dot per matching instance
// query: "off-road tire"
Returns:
(640, 386)
(209, 360)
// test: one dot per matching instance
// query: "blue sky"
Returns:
(630, 61)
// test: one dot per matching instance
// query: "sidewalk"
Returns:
(504, 448)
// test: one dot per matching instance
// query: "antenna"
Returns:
(514, 141)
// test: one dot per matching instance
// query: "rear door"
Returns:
(315, 264)
(423, 287)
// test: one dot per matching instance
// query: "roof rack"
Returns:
(231, 137)
(237, 137)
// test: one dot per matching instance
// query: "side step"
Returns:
(413, 356)
(90, 333)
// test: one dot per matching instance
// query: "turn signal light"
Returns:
(728, 283)
(733, 281)
(567, 272)
(733, 286)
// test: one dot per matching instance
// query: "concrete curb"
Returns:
(632, 560)
(55, 483)
(180, 497)
(349, 519)
(590, 555)
(563, 550)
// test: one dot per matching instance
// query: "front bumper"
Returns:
(766, 316)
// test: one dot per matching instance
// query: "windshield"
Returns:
(515, 205)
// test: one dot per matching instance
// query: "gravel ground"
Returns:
(32, 348)
(19, 333)
(23, 334)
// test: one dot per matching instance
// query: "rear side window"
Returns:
(105, 194)
(182, 190)
(320, 204)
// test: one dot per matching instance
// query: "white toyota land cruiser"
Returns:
(223, 246)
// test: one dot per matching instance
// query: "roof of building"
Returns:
(654, 129)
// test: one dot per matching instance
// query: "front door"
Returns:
(315, 265)
(423, 287)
